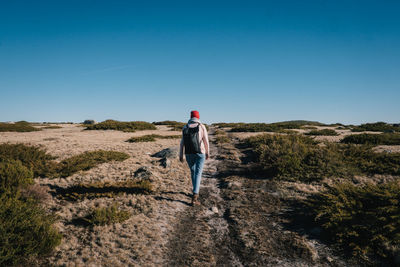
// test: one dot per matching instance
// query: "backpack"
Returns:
(191, 139)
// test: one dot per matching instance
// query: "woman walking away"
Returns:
(194, 144)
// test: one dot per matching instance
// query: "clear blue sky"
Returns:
(254, 61)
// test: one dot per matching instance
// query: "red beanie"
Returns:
(194, 113)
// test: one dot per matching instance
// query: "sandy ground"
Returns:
(139, 241)
(234, 226)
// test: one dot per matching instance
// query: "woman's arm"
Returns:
(206, 143)
(181, 148)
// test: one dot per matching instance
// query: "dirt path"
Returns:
(202, 229)
(240, 222)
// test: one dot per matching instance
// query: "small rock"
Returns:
(171, 152)
(165, 162)
(143, 173)
(214, 209)
(89, 122)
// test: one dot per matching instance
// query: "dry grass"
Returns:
(104, 189)
(107, 215)
(151, 138)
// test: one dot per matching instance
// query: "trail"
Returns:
(202, 229)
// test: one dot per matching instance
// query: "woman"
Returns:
(195, 145)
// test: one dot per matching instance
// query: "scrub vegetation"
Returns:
(324, 132)
(174, 125)
(297, 157)
(26, 229)
(363, 220)
(267, 127)
(360, 219)
(151, 138)
(377, 127)
(104, 189)
(373, 139)
(124, 126)
(88, 160)
(52, 127)
(43, 164)
(21, 126)
(221, 137)
(107, 215)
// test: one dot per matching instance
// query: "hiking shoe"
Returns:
(195, 200)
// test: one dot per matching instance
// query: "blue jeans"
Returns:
(196, 163)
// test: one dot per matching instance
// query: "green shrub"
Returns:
(43, 164)
(31, 157)
(26, 231)
(88, 160)
(268, 127)
(220, 132)
(130, 126)
(107, 215)
(151, 138)
(297, 157)
(144, 138)
(14, 175)
(169, 123)
(21, 126)
(363, 220)
(104, 189)
(365, 161)
(325, 132)
(297, 124)
(52, 127)
(220, 139)
(373, 139)
(377, 127)
(309, 128)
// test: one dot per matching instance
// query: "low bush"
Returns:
(309, 128)
(43, 165)
(377, 127)
(52, 127)
(169, 123)
(373, 139)
(175, 125)
(364, 160)
(364, 220)
(220, 139)
(21, 126)
(88, 160)
(220, 132)
(32, 157)
(296, 157)
(267, 127)
(26, 231)
(130, 126)
(13, 176)
(151, 138)
(270, 127)
(107, 215)
(104, 189)
(324, 132)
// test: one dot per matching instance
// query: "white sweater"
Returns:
(203, 138)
